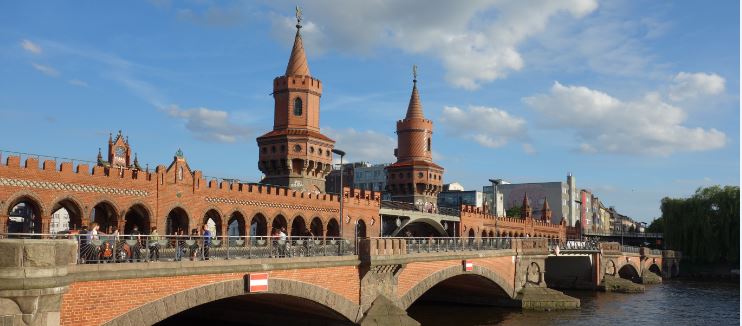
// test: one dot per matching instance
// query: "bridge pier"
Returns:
(33, 277)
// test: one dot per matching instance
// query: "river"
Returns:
(671, 303)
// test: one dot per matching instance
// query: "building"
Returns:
(60, 221)
(559, 195)
(295, 153)
(487, 194)
(414, 178)
(456, 198)
(370, 177)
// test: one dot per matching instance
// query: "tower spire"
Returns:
(546, 211)
(414, 109)
(298, 61)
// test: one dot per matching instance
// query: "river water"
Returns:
(671, 303)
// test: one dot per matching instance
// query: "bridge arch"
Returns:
(407, 299)
(73, 207)
(629, 272)
(177, 219)
(106, 213)
(29, 205)
(138, 214)
(298, 226)
(654, 268)
(213, 214)
(258, 225)
(316, 226)
(173, 304)
(426, 223)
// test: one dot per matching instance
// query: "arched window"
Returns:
(297, 106)
(428, 144)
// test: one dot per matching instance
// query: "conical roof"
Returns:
(546, 205)
(298, 61)
(415, 108)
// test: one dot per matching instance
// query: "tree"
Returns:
(657, 226)
(705, 227)
(513, 212)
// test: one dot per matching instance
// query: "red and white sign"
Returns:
(468, 266)
(257, 282)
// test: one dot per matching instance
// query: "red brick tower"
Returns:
(525, 210)
(295, 154)
(546, 212)
(414, 178)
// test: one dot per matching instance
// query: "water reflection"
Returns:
(671, 303)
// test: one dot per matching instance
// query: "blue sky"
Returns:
(639, 100)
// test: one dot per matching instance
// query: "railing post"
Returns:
(228, 247)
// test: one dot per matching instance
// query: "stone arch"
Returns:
(407, 299)
(137, 214)
(159, 310)
(654, 268)
(258, 225)
(36, 210)
(177, 219)
(73, 207)
(316, 226)
(491, 234)
(428, 223)
(533, 274)
(610, 268)
(298, 226)
(215, 216)
(279, 221)
(333, 228)
(106, 213)
(236, 222)
(629, 272)
(360, 229)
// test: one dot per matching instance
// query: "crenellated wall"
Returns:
(80, 188)
(481, 222)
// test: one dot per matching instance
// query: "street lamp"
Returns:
(342, 195)
(495, 205)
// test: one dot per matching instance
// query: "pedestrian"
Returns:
(93, 238)
(154, 244)
(207, 241)
(136, 254)
(193, 247)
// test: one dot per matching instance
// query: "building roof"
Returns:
(415, 108)
(298, 61)
(296, 132)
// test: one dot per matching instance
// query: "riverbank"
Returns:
(718, 272)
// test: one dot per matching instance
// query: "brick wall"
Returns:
(413, 273)
(95, 302)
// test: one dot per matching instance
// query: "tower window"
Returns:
(428, 144)
(297, 106)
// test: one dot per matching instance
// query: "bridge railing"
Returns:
(411, 245)
(109, 248)
(585, 244)
(630, 249)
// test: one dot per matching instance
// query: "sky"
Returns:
(639, 100)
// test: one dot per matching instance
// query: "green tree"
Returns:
(513, 212)
(657, 226)
(705, 227)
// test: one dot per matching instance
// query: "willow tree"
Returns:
(705, 227)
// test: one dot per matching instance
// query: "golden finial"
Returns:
(298, 17)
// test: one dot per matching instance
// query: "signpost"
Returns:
(257, 282)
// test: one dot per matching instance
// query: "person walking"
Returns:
(207, 241)
(154, 244)
(136, 254)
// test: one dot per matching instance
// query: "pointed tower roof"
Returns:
(526, 203)
(546, 212)
(298, 61)
(415, 108)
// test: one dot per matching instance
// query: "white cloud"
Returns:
(529, 149)
(370, 146)
(77, 82)
(46, 70)
(210, 125)
(490, 127)
(31, 47)
(692, 85)
(606, 124)
(477, 41)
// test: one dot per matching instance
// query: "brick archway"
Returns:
(407, 299)
(168, 306)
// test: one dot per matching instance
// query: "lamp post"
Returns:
(342, 188)
(495, 205)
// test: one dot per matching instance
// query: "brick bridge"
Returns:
(42, 284)
(176, 197)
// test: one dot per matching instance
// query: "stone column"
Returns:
(33, 277)
(3, 223)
